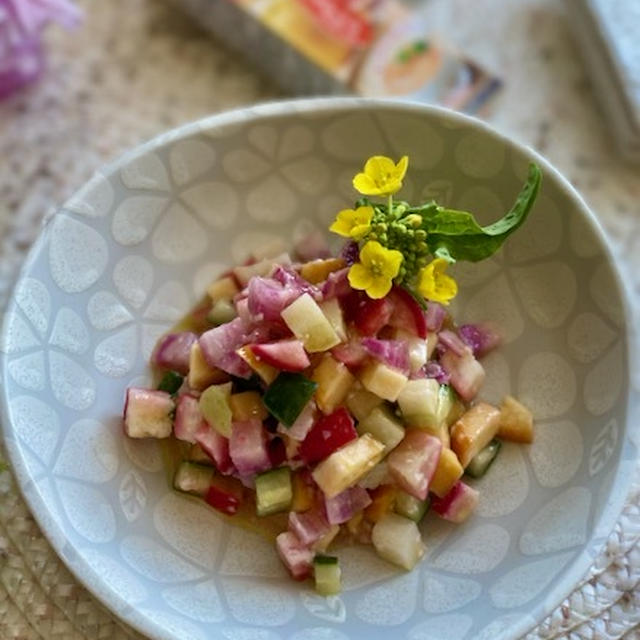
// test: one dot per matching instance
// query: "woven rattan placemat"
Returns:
(115, 82)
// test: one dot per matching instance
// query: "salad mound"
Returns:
(334, 399)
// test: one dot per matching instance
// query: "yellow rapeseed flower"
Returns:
(376, 270)
(434, 284)
(381, 176)
(353, 223)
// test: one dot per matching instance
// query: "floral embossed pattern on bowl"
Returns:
(128, 255)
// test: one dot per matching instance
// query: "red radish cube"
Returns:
(216, 446)
(465, 372)
(350, 353)
(248, 447)
(188, 418)
(407, 313)
(309, 526)
(147, 413)
(328, 434)
(345, 505)
(297, 558)
(173, 351)
(414, 461)
(366, 314)
(458, 504)
(286, 355)
(223, 500)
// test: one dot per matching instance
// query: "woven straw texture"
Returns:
(111, 85)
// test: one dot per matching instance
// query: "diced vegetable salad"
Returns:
(333, 394)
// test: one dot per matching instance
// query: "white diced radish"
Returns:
(384, 427)
(307, 322)
(323, 543)
(188, 418)
(147, 413)
(362, 402)
(286, 355)
(418, 403)
(172, 351)
(224, 288)
(346, 504)
(296, 557)
(309, 526)
(334, 383)
(346, 466)
(398, 540)
(516, 421)
(414, 461)
(248, 447)
(386, 382)
(244, 273)
(201, 375)
(448, 472)
(417, 349)
(458, 504)
(333, 312)
(467, 374)
(474, 431)
(216, 447)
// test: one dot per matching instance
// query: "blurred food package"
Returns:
(364, 47)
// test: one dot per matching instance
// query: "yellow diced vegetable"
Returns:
(247, 405)
(334, 382)
(319, 270)
(516, 421)
(448, 472)
(474, 430)
(264, 370)
(201, 375)
(223, 289)
(384, 381)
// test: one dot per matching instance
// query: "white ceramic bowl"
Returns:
(135, 247)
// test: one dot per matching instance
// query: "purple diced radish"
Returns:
(216, 446)
(395, 353)
(345, 505)
(451, 341)
(248, 447)
(243, 311)
(466, 373)
(434, 369)
(219, 347)
(350, 353)
(267, 298)
(312, 246)
(336, 285)
(295, 283)
(350, 252)
(286, 355)
(480, 338)
(309, 526)
(434, 316)
(188, 418)
(172, 351)
(458, 504)
(414, 461)
(147, 413)
(296, 557)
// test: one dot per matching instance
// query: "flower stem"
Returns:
(390, 206)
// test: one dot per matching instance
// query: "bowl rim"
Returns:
(253, 114)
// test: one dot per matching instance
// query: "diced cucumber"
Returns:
(214, 404)
(193, 478)
(446, 399)
(288, 395)
(409, 507)
(384, 427)
(418, 402)
(327, 573)
(274, 492)
(481, 462)
(171, 382)
(362, 402)
(222, 312)
(397, 539)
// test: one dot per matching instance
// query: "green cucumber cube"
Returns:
(409, 507)
(481, 462)
(327, 574)
(193, 478)
(288, 395)
(384, 427)
(222, 312)
(274, 492)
